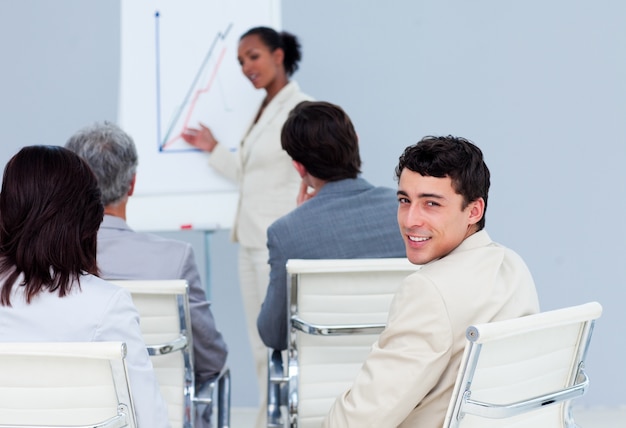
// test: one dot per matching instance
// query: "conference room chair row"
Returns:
(86, 384)
(521, 372)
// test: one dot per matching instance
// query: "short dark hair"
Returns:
(321, 137)
(50, 212)
(283, 40)
(453, 157)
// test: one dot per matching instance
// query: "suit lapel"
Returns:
(257, 129)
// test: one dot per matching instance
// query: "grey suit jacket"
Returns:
(347, 219)
(126, 254)
(407, 378)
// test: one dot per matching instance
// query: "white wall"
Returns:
(61, 72)
(59, 69)
(540, 86)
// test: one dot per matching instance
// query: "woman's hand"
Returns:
(305, 193)
(202, 138)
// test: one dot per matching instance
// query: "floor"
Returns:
(242, 417)
(595, 417)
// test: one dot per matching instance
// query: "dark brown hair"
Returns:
(453, 157)
(321, 137)
(283, 40)
(50, 212)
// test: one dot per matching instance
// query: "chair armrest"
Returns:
(167, 348)
(276, 388)
(498, 411)
(276, 370)
(335, 330)
(222, 380)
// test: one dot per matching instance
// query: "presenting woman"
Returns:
(50, 212)
(268, 182)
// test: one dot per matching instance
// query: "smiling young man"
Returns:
(466, 278)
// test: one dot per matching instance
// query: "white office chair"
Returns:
(337, 309)
(163, 307)
(65, 385)
(523, 372)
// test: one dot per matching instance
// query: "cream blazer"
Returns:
(268, 182)
(408, 377)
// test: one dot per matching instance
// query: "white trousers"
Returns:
(254, 274)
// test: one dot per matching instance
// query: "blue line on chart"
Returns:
(157, 37)
(218, 36)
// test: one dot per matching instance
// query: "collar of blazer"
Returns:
(113, 222)
(274, 107)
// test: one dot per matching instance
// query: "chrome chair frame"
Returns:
(576, 384)
(57, 357)
(284, 371)
(221, 384)
(184, 344)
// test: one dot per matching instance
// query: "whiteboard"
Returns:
(178, 68)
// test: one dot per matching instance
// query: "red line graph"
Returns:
(197, 94)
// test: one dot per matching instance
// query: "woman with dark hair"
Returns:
(50, 212)
(268, 183)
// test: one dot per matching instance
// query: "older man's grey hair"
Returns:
(112, 155)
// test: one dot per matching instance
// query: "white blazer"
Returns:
(97, 311)
(268, 182)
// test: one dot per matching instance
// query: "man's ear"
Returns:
(131, 189)
(476, 210)
(300, 168)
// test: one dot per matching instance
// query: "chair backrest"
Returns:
(523, 372)
(65, 385)
(163, 307)
(337, 309)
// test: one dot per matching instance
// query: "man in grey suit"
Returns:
(340, 215)
(125, 254)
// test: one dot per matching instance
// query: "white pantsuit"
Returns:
(268, 188)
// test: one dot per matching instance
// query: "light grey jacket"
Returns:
(126, 254)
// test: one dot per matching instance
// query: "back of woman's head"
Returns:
(283, 40)
(50, 212)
